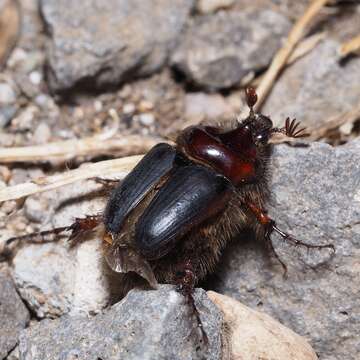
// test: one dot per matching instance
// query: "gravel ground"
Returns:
(152, 68)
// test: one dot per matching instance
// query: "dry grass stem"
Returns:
(118, 167)
(282, 56)
(65, 150)
(321, 131)
(350, 47)
(305, 46)
(335, 122)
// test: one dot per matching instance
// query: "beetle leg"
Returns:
(186, 280)
(107, 183)
(270, 227)
(270, 246)
(79, 226)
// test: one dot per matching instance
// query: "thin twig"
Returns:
(335, 122)
(281, 57)
(118, 167)
(350, 47)
(68, 149)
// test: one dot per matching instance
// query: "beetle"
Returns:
(169, 220)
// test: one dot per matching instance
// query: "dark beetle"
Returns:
(174, 213)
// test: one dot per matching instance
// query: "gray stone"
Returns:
(317, 199)
(13, 316)
(53, 278)
(218, 51)
(7, 112)
(109, 42)
(316, 88)
(201, 106)
(14, 354)
(145, 325)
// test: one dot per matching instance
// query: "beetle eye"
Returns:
(261, 138)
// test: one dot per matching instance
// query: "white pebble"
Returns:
(35, 77)
(128, 108)
(147, 119)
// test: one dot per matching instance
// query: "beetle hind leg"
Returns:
(270, 226)
(186, 280)
(271, 248)
(290, 239)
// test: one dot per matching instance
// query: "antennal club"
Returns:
(251, 98)
(291, 129)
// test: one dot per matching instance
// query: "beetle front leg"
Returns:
(270, 226)
(106, 183)
(186, 280)
(77, 228)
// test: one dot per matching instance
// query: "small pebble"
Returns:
(79, 113)
(98, 105)
(346, 129)
(17, 57)
(6, 139)
(210, 6)
(45, 102)
(125, 92)
(24, 121)
(7, 94)
(5, 173)
(128, 108)
(35, 77)
(145, 106)
(7, 112)
(147, 119)
(36, 209)
(42, 134)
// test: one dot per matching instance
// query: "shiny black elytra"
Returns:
(171, 217)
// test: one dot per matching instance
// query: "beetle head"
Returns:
(261, 126)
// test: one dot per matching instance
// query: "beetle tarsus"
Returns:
(186, 284)
(270, 227)
(273, 251)
(35, 238)
(289, 238)
(78, 227)
(81, 226)
(107, 183)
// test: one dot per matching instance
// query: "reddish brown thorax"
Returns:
(232, 153)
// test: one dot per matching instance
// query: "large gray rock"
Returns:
(219, 50)
(145, 325)
(317, 199)
(13, 316)
(54, 278)
(316, 88)
(105, 42)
